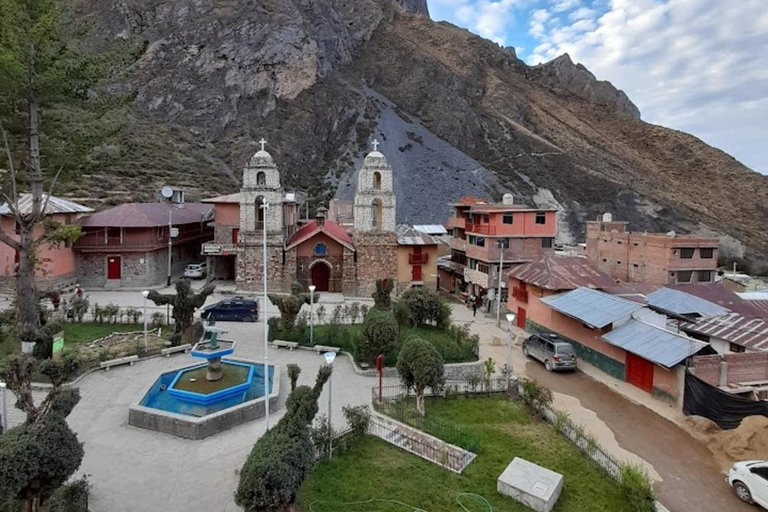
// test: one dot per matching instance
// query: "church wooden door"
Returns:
(321, 277)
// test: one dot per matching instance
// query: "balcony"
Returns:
(457, 244)
(457, 222)
(520, 294)
(418, 259)
(481, 229)
(97, 241)
(476, 277)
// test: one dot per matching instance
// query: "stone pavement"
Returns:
(134, 469)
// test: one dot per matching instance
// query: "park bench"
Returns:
(173, 350)
(290, 345)
(324, 348)
(119, 361)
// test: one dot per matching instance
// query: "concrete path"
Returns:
(637, 429)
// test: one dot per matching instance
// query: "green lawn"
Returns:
(88, 331)
(375, 470)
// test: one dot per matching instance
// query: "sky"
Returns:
(700, 66)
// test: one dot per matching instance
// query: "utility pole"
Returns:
(498, 292)
(170, 244)
(265, 206)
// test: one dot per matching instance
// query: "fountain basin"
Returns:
(162, 409)
(192, 386)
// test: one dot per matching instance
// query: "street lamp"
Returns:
(265, 207)
(511, 320)
(5, 408)
(329, 357)
(312, 289)
(145, 294)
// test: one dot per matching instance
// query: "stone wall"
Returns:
(250, 266)
(376, 260)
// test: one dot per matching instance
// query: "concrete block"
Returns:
(530, 484)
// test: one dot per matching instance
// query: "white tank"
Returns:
(508, 199)
(607, 217)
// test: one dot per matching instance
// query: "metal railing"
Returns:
(483, 229)
(418, 259)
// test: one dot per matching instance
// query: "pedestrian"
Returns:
(474, 308)
(78, 290)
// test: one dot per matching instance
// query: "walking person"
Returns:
(474, 308)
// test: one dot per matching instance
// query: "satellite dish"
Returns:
(167, 192)
(671, 234)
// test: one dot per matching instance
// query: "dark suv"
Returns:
(236, 309)
(551, 350)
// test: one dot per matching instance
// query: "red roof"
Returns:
(566, 273)
(147, 215)
(329, 227)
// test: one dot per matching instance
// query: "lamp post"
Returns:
(329, 357)
(511, 320)
(312, 289)
(145, 294)
(265, 206)
(5, 408)
(498, 292)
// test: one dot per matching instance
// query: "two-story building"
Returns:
(56, 267)
(417, 254)
(656, 258)
(485, 237)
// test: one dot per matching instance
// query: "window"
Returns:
(480, 241)
(261, 179)
(635, 265)
(484, 268)
(472, 239)
(618, 242)
(541, 218)
(321, 249)
(546, 243)
(684, 276)
(377, 180)
(736, 348)
(486, 218)
(706, 253)
(504, 243)
(508, 218)
(618, 263)
(687, 253)
(604, 260)
(473, 264)
(704, 276)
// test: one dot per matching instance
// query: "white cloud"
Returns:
(491, 19)
(695, 65)
(564, 5)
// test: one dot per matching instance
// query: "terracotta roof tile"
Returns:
(329, 227)
(561, 274)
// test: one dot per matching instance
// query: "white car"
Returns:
(749, 479)
(196, 270)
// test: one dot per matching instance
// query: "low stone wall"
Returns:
(190, 427)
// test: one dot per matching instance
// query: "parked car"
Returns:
(551, 350)
(749, 479)
(236, 309)
(196, 270)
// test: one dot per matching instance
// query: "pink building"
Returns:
(483, 233)
(57, 267)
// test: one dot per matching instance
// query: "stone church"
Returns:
(322, 252)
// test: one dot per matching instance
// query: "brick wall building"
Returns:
(656, 258)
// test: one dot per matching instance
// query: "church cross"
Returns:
(375, 145)
(338, 267)
(301, 266)
(263, 143)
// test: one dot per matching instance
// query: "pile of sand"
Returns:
(749, 441)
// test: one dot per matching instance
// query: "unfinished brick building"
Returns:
(655, 258)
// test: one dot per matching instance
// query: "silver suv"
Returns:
(551, 350)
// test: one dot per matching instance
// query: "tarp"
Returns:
(725, 409)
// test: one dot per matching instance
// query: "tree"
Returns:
(38, 456)
(425, 307)
(379, 335)
(37, 67)
(420, 366)
(382, 297)
(184, 303)
(283, 457)
(291, 305)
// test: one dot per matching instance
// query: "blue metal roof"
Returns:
(652, 343)
(592, 307)
(681, 303)
(432, 229)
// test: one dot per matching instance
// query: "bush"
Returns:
(158, 319)
(637, 488)
(321, 434)
(133, 315)
(426, 307)
(420, 366)
(379, 336)
(358, 418)
(402, 315)
(71, 497)
(536, 396)
(79, 307)
(111, 311)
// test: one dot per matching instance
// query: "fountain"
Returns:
(201, 400)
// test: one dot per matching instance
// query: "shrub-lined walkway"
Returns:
(374, 469)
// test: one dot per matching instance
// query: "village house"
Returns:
(485, 237)
(621, 337)
(132, 245)
(650, 257)
(57, 264)
(346, 250)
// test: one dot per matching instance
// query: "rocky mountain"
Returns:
(456, 114)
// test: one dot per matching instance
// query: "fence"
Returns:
(450, 387)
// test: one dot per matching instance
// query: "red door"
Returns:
(639, 372)
(521, 318)
(235, 233)
(416, 273)
(113, 267)
(321, 277)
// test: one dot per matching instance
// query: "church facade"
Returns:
(320, 251)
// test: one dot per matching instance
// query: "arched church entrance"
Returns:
(321, 276)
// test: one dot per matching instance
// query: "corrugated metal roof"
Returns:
(55, 205)
(406, 235)
(652, 343)
(431, 229)
(592, 307)
(681, 303)
(720, 295)
(748, 332)
(143, 215)
(561, 274)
